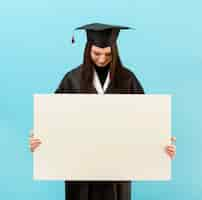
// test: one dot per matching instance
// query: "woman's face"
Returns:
(101, 56)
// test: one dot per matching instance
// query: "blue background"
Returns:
(36, 51)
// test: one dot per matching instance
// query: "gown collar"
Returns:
(97, 84)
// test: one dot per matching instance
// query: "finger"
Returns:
(171, 147)
(35, 142)
(35, 139)
(34, 146)
(171, 152)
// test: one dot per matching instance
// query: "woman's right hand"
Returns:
(33, 142)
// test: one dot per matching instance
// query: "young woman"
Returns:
(101, 72)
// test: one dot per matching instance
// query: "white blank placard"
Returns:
(102, 137)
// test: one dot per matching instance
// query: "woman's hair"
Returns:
(87, 66)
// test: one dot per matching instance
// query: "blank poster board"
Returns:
(102, 137)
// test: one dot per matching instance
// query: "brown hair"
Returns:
(87, 66)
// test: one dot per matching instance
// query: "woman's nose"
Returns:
(102, 59)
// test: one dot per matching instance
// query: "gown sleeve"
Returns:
(135, 86)
(64, 86)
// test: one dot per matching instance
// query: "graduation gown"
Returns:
(99, 190)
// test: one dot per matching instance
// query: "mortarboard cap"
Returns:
(101, 35)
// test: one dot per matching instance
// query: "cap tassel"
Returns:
(73, 39)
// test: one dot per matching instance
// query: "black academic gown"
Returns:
(99, 190)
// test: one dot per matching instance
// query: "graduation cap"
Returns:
(101, 35)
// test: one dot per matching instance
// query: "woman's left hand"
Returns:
(171, 149)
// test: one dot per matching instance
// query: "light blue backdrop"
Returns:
(164, 52)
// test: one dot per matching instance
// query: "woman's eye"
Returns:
(108, 54)
(97, 54)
